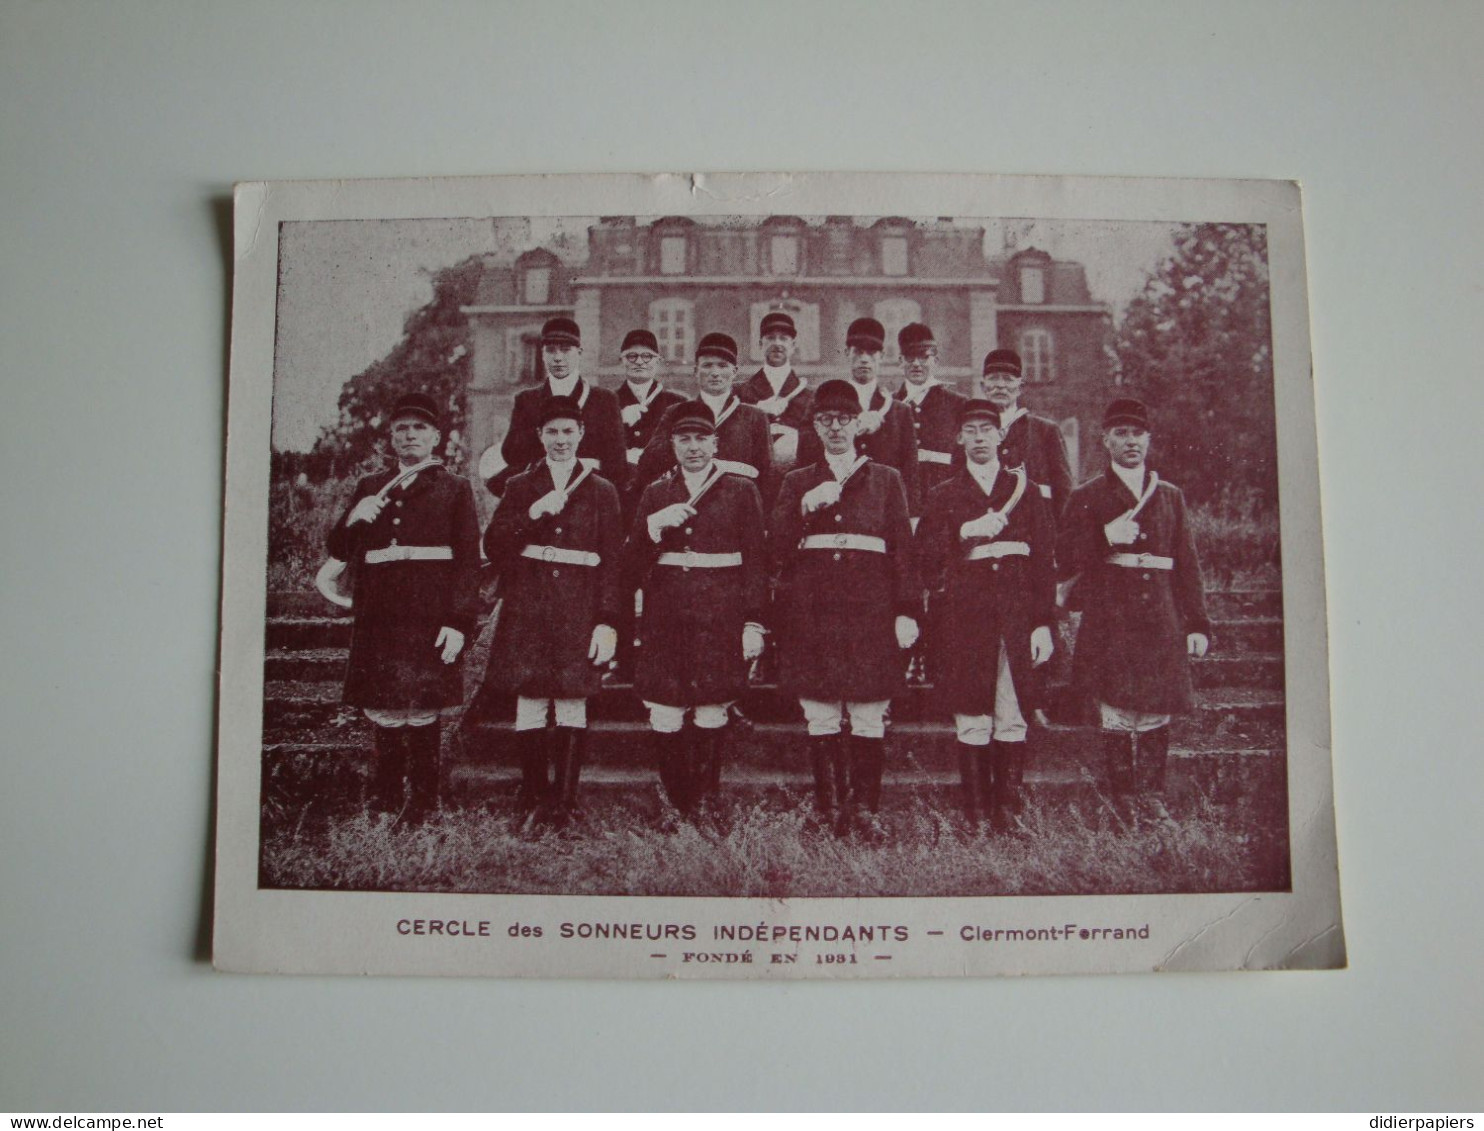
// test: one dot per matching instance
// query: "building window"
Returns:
(783, 255)
(1037, 362)
(536, 288)
(893, 314)
(671, 321)
(672, 255)
(806, 322)
(893, 255)
(1032, 284)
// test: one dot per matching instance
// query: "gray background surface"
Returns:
(121, 128)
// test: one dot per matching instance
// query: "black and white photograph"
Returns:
(754, 567)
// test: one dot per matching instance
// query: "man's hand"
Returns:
(366, 510)
(985, 526)
(752, 641)
(869, 422)
(631, 414)
(550, 503)
(604, 645)
(773, 405)
(906, 632)
(676, 514)
(1197, 643)
(1121, 531)
(451, 640)
(634, 454)
(1041, 646)
(827, 494)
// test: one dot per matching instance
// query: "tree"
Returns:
(432, 357)
(1196, 346)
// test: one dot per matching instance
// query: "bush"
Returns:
(1237, 539)
(300, 515)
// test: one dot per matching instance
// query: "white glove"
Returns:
(604, 645)
(1121, 531)
(773, 406)
(451, 640)
(1197, 643)
(1041, 646)
(634, 454)
(906, 632)
(869, 422)
(631, 414)
(666, 517)
(550, 503)
(752, 641)
(827, 494)
(366, 510)
(985, 526)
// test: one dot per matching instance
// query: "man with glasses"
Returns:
(642, 399)
(1034, 441)
(884, 431)
(935, 406)
(743, 446)
(602, 424)
(776, 389)
(848, 601)
(696, 549)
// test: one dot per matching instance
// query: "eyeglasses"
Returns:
(834, 419)
(641, 358)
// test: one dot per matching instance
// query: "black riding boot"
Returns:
(968, 776)
(1153, 757)
(867, 768)
(713, 755)
(822, 758)
(990, 772)
(672, 767)
(530, 751)
(390, 769)
(1012, 758)
(569, 744)
(1118, 756)
(422, 745)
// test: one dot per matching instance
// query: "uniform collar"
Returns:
(839, 466)
(866, 393)
(984, 474)
(916, 394)
(1132, 478)
(561, 473)
(716, 404)
(693, 482)
(776, 377)
(564, 388)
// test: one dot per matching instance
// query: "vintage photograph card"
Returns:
(773, 576)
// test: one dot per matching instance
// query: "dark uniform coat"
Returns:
(638, 434)
(400, 605)
(973, 605)
(602, 436)
(1038, 443)
(797, 415)
(893, 444)
(935, 427)
(690, 650)
(550, 608)
(742, 438)
(837, 609)
(1131, 650)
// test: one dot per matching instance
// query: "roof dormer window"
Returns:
(1032, 283)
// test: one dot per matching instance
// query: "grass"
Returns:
(761, 849)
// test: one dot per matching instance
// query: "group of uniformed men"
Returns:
(840, 519)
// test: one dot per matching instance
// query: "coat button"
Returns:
(556, 573)
(558, 529)
(994, 565)
(837, 557)
(1146, 577)
(396, 522)
(398, 503)
(839, 518)
(688, 530)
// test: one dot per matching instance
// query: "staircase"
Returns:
(1230, 748)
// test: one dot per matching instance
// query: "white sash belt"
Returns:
(409, 554)
(999, 550)
(865, 542)
(925, 456)
(1141, 561)
(559, 554)
(688, 559)
(736, 467)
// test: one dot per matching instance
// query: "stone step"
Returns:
(1221, 604)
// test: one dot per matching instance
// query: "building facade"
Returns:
(682, 278)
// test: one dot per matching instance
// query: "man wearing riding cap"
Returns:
(935, 406)
(697, 552)
(602, 422)
(776, 389)
(1126, 540)
(642, 399)
(848, 601)
(556, 540)
(884, 429)
(412, 538)
(743, 446)
(1034, 441)
(986, 546)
